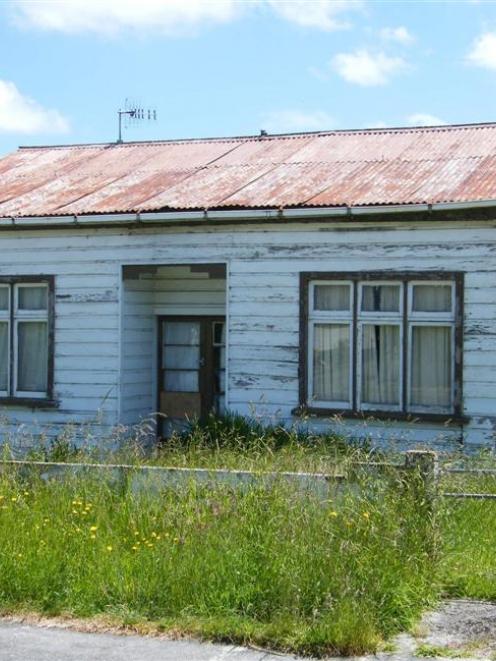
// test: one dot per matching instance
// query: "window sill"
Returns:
(27, 402)
(393, 416)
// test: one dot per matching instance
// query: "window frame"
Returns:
(405, 317)
(14, 316)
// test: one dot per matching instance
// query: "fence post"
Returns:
(421, 477)
(422, 466)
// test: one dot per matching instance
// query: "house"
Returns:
(342, 279)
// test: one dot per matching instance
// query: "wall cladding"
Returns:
(100, 321)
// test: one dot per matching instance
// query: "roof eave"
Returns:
(248, 215)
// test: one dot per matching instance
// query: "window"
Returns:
(377, 343)
(26, 362)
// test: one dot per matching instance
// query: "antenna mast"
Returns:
(134, 114)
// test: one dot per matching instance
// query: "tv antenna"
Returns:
(134, 114)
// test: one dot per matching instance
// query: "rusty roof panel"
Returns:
(356, 168)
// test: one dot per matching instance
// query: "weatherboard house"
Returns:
(339, 280)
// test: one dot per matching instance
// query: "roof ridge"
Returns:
(271, 136)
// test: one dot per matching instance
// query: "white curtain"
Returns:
(32, 359)
(380, 364)
(431, 366)
(380, 298)
(331, 362)
(432, 298)
(4, 355)
(32, 298)
(331, 297)
(4, 298)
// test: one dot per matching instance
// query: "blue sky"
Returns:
(222, 67)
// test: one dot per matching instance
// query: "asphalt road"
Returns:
(23, 642)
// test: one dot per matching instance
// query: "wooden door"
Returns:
(191, 369)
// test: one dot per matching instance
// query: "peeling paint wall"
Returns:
(93, 329)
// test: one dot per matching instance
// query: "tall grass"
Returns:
(230, 442)
(265, 566)
(469, 536)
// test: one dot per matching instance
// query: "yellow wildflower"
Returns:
(92, 536)
(366, 515)
(333, 514)
(109, 548)
(14, 499)
(94, 528)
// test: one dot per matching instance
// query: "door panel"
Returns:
(181, 404)
(191, 369)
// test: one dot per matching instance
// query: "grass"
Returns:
(469, 537)
(262, 566)
(268, 567)
(232, 443)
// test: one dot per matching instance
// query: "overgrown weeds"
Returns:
(260, 565)
(269, 566)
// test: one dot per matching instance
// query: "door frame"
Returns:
(206, 385)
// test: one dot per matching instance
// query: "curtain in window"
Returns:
(332, 297)
(432, 298)
(331, 362)
(32, 358)
(4, 355)
(4, 298)
(32, 298)
(380, 364)
(380, 298)
(431, 366)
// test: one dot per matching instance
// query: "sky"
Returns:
(227, 67)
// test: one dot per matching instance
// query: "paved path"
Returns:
(464, 627)
(23, 642)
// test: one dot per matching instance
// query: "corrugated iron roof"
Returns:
(338, 168)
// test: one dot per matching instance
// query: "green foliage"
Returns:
(268, 565)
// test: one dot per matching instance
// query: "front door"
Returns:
(191, 370)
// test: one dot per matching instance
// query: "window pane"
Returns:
(332, 297)
(431, 366)
(432, 298)
(181, 357)
(331, 362)
(4, 356)
(4, 298)
(380, 364)
(32, 298)
(381, 298)
(219, 332)
(182, 332)
(181, 381)
(32, 360)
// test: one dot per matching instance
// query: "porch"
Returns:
(173, 346)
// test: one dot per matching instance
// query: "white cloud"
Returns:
(365, 68)
(21, 114)
(285, 121)
(322, 14)
(400, 35)
(424, 119)
(483, 51)
(110, 17)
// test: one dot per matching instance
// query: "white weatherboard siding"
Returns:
(94, 364)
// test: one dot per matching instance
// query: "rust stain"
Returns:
(368, 167)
